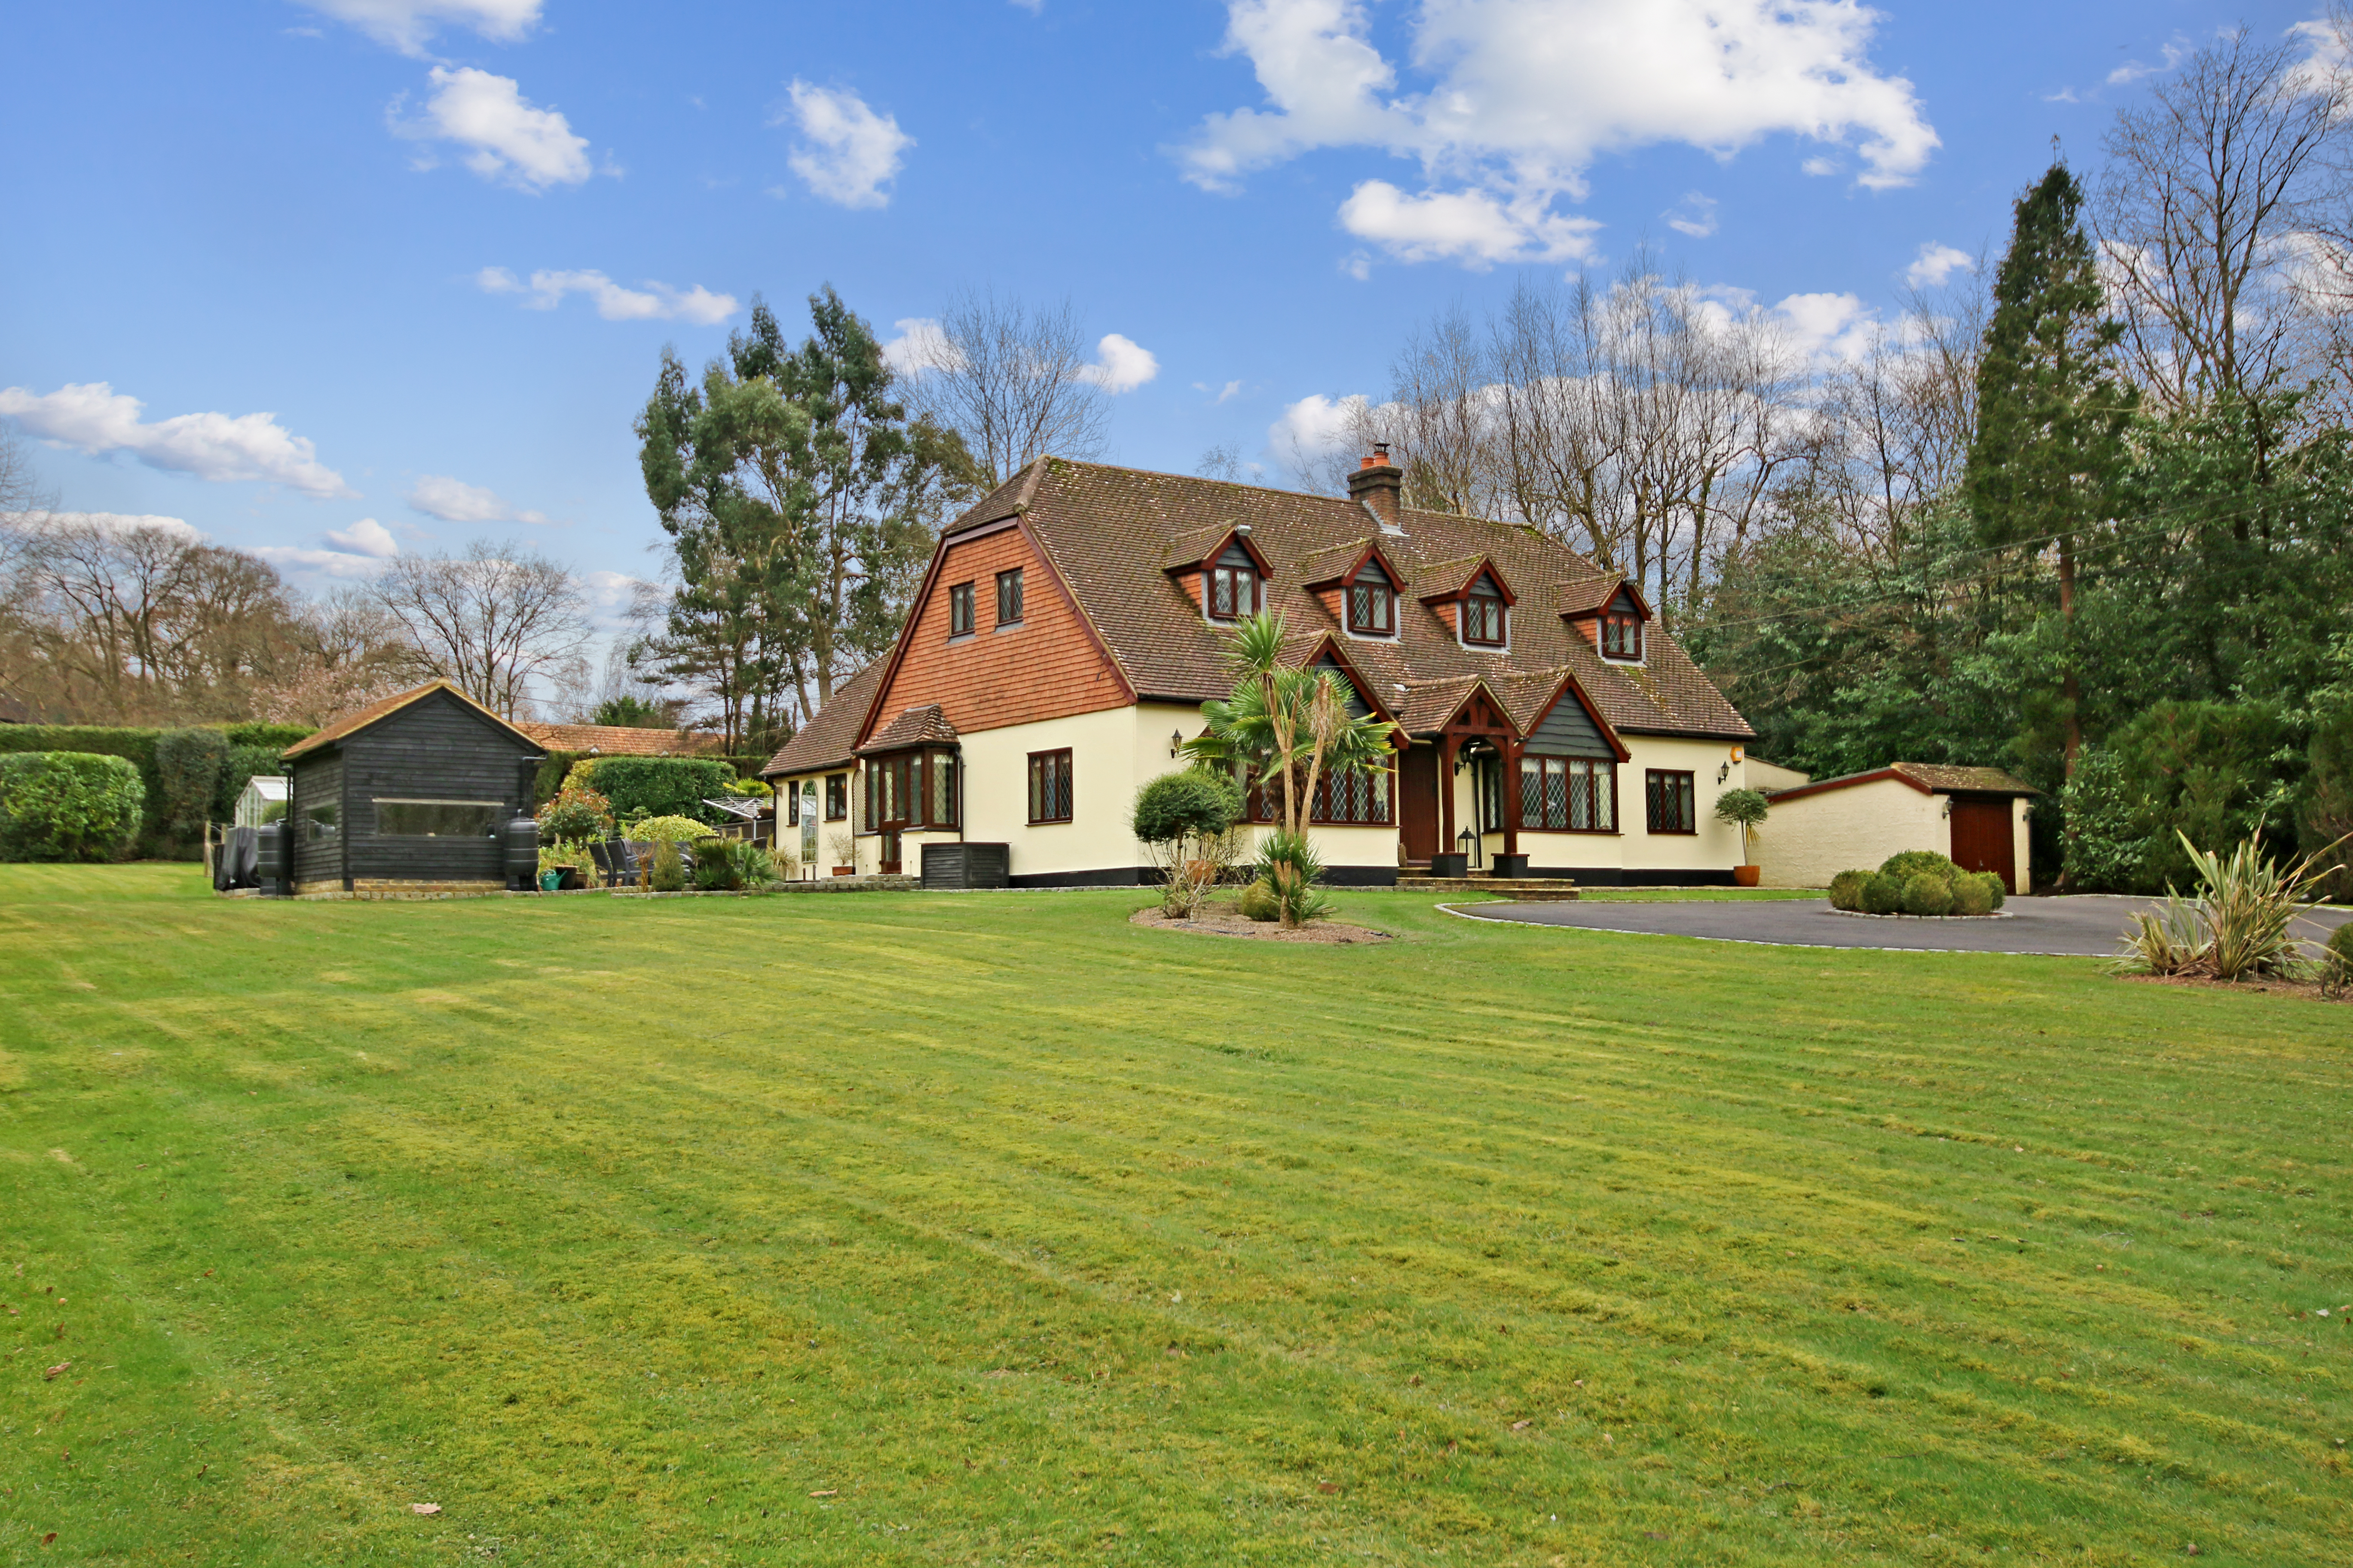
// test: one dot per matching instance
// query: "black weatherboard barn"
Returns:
(413, 793)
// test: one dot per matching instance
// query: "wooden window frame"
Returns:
(914, 790)
(1009, 597)
(1364, 600)
(1375, 790)
(1620, 633)
(837, 797)
(1502, 620)
(1658, 784)
(1569, 769)
(1237, 582)
(960, 611)
(1042, 780)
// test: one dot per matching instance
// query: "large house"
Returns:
(1071, 626)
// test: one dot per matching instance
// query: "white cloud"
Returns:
(2133, 70)
(1122, 364)
(1315, 426)
(1936, 265)
(1032, 6)
(454, 500)
(296, 560)
(1828, 327)
(408, 25)
(1522, 95)
(850, 152)
(919, 346)
(366, 537)
(108, 522)
(1477, 228)
(654, 302)
(92, 417)
(1231, 390)
(1693, 216)
(512, 139)
(1820, 167)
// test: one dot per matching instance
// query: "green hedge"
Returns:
(68, 805)
(661, 787)
(558, 765)
(137, 746)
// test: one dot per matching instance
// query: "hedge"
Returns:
(68, 805)
(660, 786)
(137, 745)
(557, 766)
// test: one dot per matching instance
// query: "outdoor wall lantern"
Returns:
(1722, 773)
(1947, 811)
(1175, 741)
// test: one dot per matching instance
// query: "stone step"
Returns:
(1530, 889)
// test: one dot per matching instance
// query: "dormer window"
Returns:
(1621, 628)
(1234, 585)
(1372, 604)
(1483, 614)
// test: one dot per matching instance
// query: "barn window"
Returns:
(437, 818)
(320, 820)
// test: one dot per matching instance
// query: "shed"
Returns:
(1977, 815)
(262, 800)
(411, 795)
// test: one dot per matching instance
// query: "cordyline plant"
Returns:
(1290, 725)
(2240, 924)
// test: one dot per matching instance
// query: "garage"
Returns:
(1813, 831)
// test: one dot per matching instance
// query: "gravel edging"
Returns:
(1867, 915)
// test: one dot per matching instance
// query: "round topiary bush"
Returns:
(68, 805)
(1971, 897)
(1258, 902)
(669, 872)
(1883, 895)
(1927, 893)
(1910, 863)
(1846, 889)
(1995, 891)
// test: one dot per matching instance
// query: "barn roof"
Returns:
(352, 724)
(1929, 778)
(622, 741)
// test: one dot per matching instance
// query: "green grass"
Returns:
(619, 1229)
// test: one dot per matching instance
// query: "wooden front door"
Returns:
(1418, 801)
(1984, 839)
(889, 866)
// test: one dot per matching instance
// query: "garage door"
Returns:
(1982, 837)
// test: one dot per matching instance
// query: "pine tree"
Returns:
(2052, 411)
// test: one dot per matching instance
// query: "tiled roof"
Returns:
(359, 719)
(1943, 778)
(622, 741)
(824, 740)
(925, 726)
(1108, 531)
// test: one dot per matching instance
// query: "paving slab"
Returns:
(2087, 925)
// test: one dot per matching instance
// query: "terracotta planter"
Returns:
(845, 870)
(1745, 876)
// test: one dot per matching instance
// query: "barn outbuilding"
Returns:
(1813, 831)
(415, 794)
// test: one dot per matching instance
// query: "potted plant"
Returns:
(1744, 809)
(844, 854)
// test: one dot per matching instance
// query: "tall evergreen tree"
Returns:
(2052, 412)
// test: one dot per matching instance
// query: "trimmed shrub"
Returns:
(136, 746)
(1259, 903)
(577, 812)
(658, 786)
(189, 764)
(1192, 803)
(1995, 894)
(2337, 959)
(1883, 895)
(669, 872)
(1910, 863)
(275, 737)
(1971, 897)
(68, 805)
(1927, 893)
(1846, 889)
(750, 789)
(668, 830)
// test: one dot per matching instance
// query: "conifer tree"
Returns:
(2052, 410)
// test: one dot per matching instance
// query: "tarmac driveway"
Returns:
(2090, 925)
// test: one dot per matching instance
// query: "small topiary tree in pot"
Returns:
(1744, 809)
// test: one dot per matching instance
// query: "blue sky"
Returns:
(393, 274)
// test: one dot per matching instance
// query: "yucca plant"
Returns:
(2242, 924)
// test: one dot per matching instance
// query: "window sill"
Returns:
(1674, 831)
(955, 637)
(1008, 625)
(1579, 832)
(1051, 821)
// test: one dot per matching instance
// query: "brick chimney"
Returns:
(1380, 485)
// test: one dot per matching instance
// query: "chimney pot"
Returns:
(1376, 484)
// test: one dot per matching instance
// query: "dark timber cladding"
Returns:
(418, 788)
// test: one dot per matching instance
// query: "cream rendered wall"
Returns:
(1773, 775)
(2023, 879)
(1108, 748)
(824, 862)
(1806, 842)
(1634, 848)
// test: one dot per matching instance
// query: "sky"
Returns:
(332, 279)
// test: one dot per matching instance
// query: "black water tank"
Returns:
(269, 854)
(522, 854)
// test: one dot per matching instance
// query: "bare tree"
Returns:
(2223, 217)
(1011, 378)
(491, 622)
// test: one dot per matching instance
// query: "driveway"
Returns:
(2089, 926)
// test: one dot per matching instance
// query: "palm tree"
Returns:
(1291, 724)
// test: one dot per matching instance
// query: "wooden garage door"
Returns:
(1982, 837)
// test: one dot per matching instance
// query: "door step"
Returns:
(1523, 889)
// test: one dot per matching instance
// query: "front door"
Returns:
(1418, 801)
(808, 825)
(1983, 839)
(890, 867)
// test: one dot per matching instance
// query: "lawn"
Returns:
(987, 1229)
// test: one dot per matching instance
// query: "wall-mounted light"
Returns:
(1722, 773)
(1947, 811)
(1175, 741)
